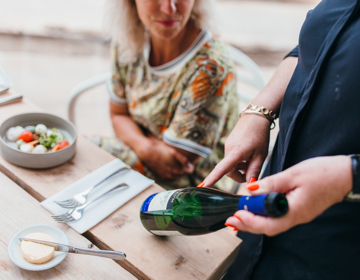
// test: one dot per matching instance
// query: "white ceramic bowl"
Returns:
(10, 152)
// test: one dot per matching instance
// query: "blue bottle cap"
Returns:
(273, 204)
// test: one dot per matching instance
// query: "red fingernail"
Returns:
(237, 217)
(253, 187)
(200, 185)
(252, 180)
(229, 225)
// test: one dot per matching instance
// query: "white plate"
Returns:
(15, 249)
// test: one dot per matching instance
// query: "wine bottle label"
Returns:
(166, 232)
(160, 201)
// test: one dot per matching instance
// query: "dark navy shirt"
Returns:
(319, 116)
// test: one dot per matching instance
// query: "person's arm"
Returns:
(126, 129)
(247, 146)
(311, 187)
(272, 94)
(163, 159)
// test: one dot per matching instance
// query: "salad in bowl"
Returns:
(37, 139)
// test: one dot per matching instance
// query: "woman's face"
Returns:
(164, 19)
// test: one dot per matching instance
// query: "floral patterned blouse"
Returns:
(189, 103)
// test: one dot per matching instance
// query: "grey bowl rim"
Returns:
(45, 154)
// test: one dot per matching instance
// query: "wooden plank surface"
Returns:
(19, 210)
(148, 256)
(177, 257)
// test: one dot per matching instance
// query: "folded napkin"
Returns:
(103, 207)
(5, 82)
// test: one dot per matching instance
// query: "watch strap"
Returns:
(355, 163)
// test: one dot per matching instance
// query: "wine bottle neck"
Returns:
(255, 204)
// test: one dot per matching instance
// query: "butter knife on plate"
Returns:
(115, 255)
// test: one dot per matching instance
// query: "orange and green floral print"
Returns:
(195, 107)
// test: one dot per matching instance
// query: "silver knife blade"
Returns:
(115, 255)
(57, 246)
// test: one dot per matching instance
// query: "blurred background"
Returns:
(47, 47)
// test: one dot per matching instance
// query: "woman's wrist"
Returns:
(255, 127)
(260, 111)
(141, 146)
(255, 122)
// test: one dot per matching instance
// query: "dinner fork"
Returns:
(76, 213)
(81, 198)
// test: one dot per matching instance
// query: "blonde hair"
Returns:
(127, 31)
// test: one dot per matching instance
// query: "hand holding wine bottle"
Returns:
(194, 211)
(312, 186)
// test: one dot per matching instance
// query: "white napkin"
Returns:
(103, 207)
(5, 81)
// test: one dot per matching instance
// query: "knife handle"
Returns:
(10, 99)
(115, 255)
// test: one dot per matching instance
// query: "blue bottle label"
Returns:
(145, 206)
(160, 201)
(254, 204)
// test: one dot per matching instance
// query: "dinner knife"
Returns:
(115, 255)
(10, 99)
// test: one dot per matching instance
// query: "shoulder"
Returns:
(116, 51)
(215, 56)
(216, 49)
(211, 71)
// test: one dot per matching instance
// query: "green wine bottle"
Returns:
(195, 211)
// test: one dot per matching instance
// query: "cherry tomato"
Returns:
(61, 145)
(26, 136)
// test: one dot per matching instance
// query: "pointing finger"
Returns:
(222, 168)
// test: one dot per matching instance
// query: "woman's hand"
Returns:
(246, 147)
(245, 150)
(166, 161)
(311, 187)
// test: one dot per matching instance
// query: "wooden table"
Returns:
(148, 256)
(19, 210)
